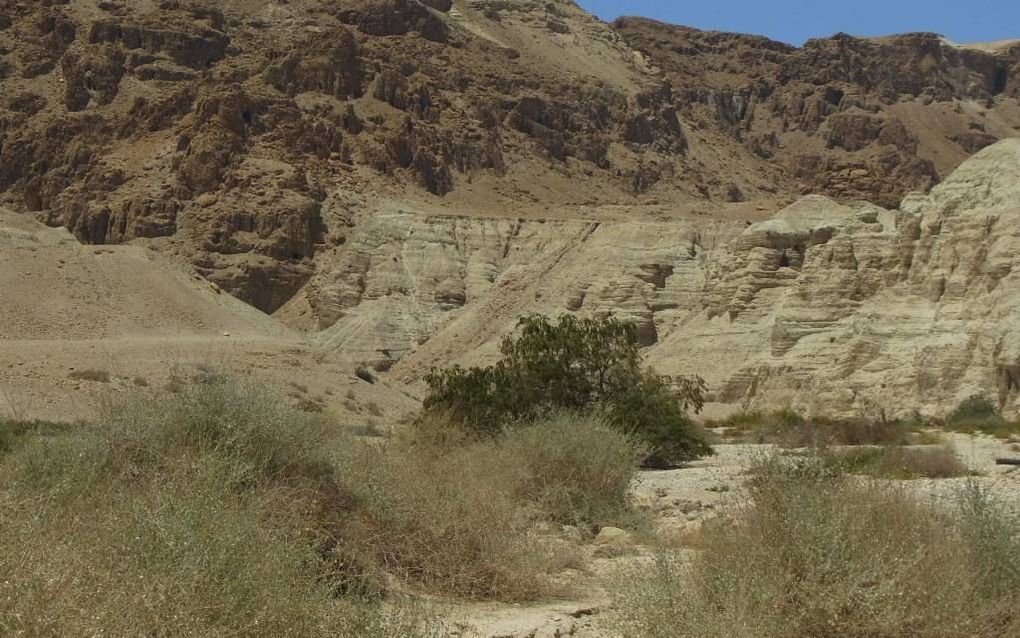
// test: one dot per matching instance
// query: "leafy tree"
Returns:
(585, 365)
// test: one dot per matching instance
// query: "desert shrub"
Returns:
(978, 414)
(578, 471)
(975, 407)
(787, 428)
(209, 512)
(582, 365)
(245, 425)
(816, 554)
(992, 540)
(442, 519)
(897, 462)
(458, 514)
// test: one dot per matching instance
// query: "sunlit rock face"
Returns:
(828, 308)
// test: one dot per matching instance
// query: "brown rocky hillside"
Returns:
(867, 118)
(248, 137)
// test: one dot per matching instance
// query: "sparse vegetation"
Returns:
(896, 462)
(977, 414)
(790, 429)
(373, 409)
(578, 472)
(220, 509)
(313, 405)
(590, 366)
(13, 433)
(816, 554)
(212, 512)
(456, 514)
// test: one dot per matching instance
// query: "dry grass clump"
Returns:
(578, 471)
(13, 432)
(212, 512)
(222, 510)
(897, 462)
(97, 376)
(454, 514)
(790, 429)
(819, 555)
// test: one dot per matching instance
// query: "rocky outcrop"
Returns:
(144, 121)
(828, 308)
(330, 65)
(196, 46)
(784, 103)
(396, 17)
(93, 75)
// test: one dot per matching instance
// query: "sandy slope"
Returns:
(66, 308)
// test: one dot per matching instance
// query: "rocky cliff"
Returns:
(223, 132)
(868, 118)
(828, 307)
(403, 178)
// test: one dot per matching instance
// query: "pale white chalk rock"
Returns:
(841, 309)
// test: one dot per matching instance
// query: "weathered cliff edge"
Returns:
(828, 308)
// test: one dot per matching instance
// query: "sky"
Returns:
(794, 21)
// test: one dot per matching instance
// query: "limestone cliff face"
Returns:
(860, 309)
(432, 288)
(830, 308)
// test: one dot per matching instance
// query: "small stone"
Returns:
(205, 200)
(689, 506)
(613, 536)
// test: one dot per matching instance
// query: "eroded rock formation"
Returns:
(830, 308)
(216, 131)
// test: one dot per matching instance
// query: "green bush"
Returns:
(979, 414)
(975, 407)
(582, 365)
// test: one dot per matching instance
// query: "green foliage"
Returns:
(580, 365)
(979, 414)
(655, 409)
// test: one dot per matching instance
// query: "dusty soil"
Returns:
(81, 324)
